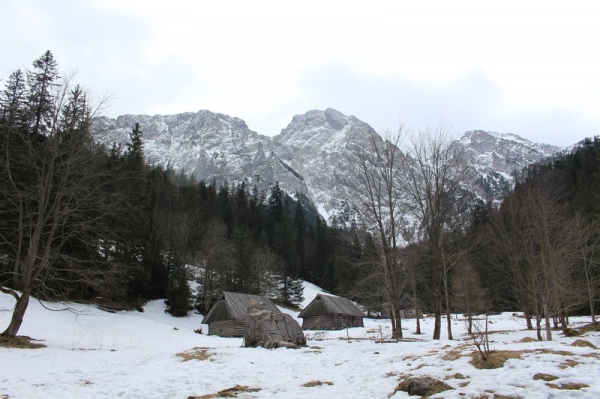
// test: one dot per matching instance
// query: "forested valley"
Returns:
(84, 222)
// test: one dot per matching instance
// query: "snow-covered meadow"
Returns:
(91, 353)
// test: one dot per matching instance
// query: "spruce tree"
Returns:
(42, 82)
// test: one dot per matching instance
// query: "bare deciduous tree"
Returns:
(435, 169)
(376, 194)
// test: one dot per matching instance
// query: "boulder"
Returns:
(271, 330)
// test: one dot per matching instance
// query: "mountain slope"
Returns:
(499, 158)
(205, 144)
(306, 158)
(316, 144)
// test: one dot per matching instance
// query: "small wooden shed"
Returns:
(226, 317)
(407, 308)
(327, 312)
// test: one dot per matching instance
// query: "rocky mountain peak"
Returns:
(306, 158)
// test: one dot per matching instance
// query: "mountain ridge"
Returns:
(307, 154)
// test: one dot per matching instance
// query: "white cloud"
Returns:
(253, 59)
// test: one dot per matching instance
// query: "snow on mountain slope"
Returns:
(498, 158)
(205, 144)
(307, 157)
(316, 144)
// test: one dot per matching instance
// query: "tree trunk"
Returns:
(447, 296)
(528, 318)
(437, 327)
(17, 315)
(416, 312)
(547, 320)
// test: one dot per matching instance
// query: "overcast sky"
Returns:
(526, 67)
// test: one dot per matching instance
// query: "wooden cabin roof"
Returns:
(233, 305)
(326, 304)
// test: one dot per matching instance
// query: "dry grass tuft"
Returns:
(316, 383)
(232, 392)
(496, 359)
(553, 352)
(584, 343)
(544, 377)
(568, 386)
(19, 342)
(592, 355)
(568, 363)
(590, 327)
(457, 376)
(527, 339)
(197, 353)
(421, 386)
(453, 354)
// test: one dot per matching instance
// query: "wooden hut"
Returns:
(407, 308)
(327, 312)
(226, 317)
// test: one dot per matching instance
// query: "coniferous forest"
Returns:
(84, 222)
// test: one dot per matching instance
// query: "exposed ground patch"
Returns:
(197, 353)
(232, 392)
(316, 383)
(20, 342)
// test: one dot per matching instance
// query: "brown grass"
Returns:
(568, 386)
(452, 354)
(232, 392)
(19, 342)
(592, 355)
(553, 352)
(496, 359)
(584, 343)
(590, 327)
(413, 388)
(457, 376)
(527, 339)
(568, 363)
(197, 353)
(545, 377)
(316, 383)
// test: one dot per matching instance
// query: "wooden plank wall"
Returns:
(227, 328)
(331, 322)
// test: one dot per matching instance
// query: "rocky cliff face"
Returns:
(208, 145)
(499, 158)
(307, 158)
(316, 144)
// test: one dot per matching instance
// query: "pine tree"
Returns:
(135, 150)
(244, 263)
(178, 290)
(42, 82)
(301, 242)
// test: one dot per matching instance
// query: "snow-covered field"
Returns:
(95, 354)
